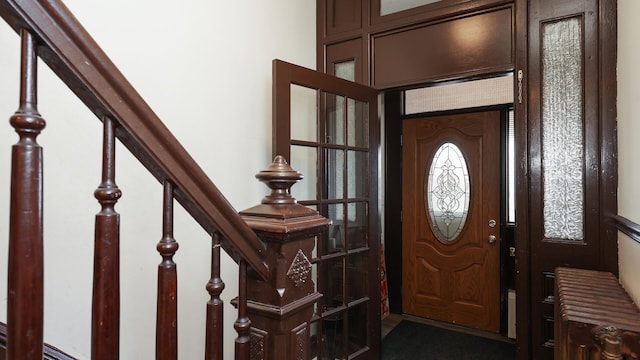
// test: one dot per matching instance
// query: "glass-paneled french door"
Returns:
(328, 129)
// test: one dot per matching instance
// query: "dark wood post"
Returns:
(242, 323)
(167, 313)
(26, 270)
(215, 286)
(105, 308)
(281, 308)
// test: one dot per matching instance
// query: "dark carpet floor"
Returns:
(414, 341)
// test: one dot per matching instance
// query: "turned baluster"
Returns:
(105, 325)
(215, 286)
(167, 316)
(242, 323)
(25, 272)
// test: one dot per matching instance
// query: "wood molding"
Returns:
(627, 227)
(443, 50)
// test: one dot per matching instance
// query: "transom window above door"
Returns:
(392, 6)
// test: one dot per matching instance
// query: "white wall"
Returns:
(628, 144)
(205, 68)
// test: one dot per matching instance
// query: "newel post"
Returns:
(281, 308)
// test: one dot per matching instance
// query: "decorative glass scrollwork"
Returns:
(447, 191)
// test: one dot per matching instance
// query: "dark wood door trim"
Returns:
(608, 36)
(393, 198)
(607, 153)
(523, 283)
(597, 250)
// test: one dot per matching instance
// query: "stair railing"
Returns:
(280, 296)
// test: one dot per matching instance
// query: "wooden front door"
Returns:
(451, 215)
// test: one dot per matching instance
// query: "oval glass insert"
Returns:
(447, 192)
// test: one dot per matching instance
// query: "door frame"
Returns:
(393, 200)
(358, 29)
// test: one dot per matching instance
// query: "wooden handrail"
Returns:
(67, 48)
(627, 227)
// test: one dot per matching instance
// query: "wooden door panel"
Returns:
(455, 281)
(338, 145)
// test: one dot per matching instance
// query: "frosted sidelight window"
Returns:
(562, 130)
(447, 192)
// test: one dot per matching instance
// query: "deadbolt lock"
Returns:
(492, 223)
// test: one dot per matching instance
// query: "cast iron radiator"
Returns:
(594, 317)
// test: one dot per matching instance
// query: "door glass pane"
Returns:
(303, 113)
(391, 6)
(448, 192)
(357, 123)
(345, 70)
(357, 235)
(332, 280)
(357, 275)
(358, 326)
(316, 339)
(337, 229)
(357, 174)
(335, 174)
(562, 129)
(314, 255)
(334, 114)
(333, 340)
(304, 159)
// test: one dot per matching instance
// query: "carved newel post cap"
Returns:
(279, 177)
(279, 212)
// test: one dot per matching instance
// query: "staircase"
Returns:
(48, 31)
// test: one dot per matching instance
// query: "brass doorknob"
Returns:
(492, 239)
